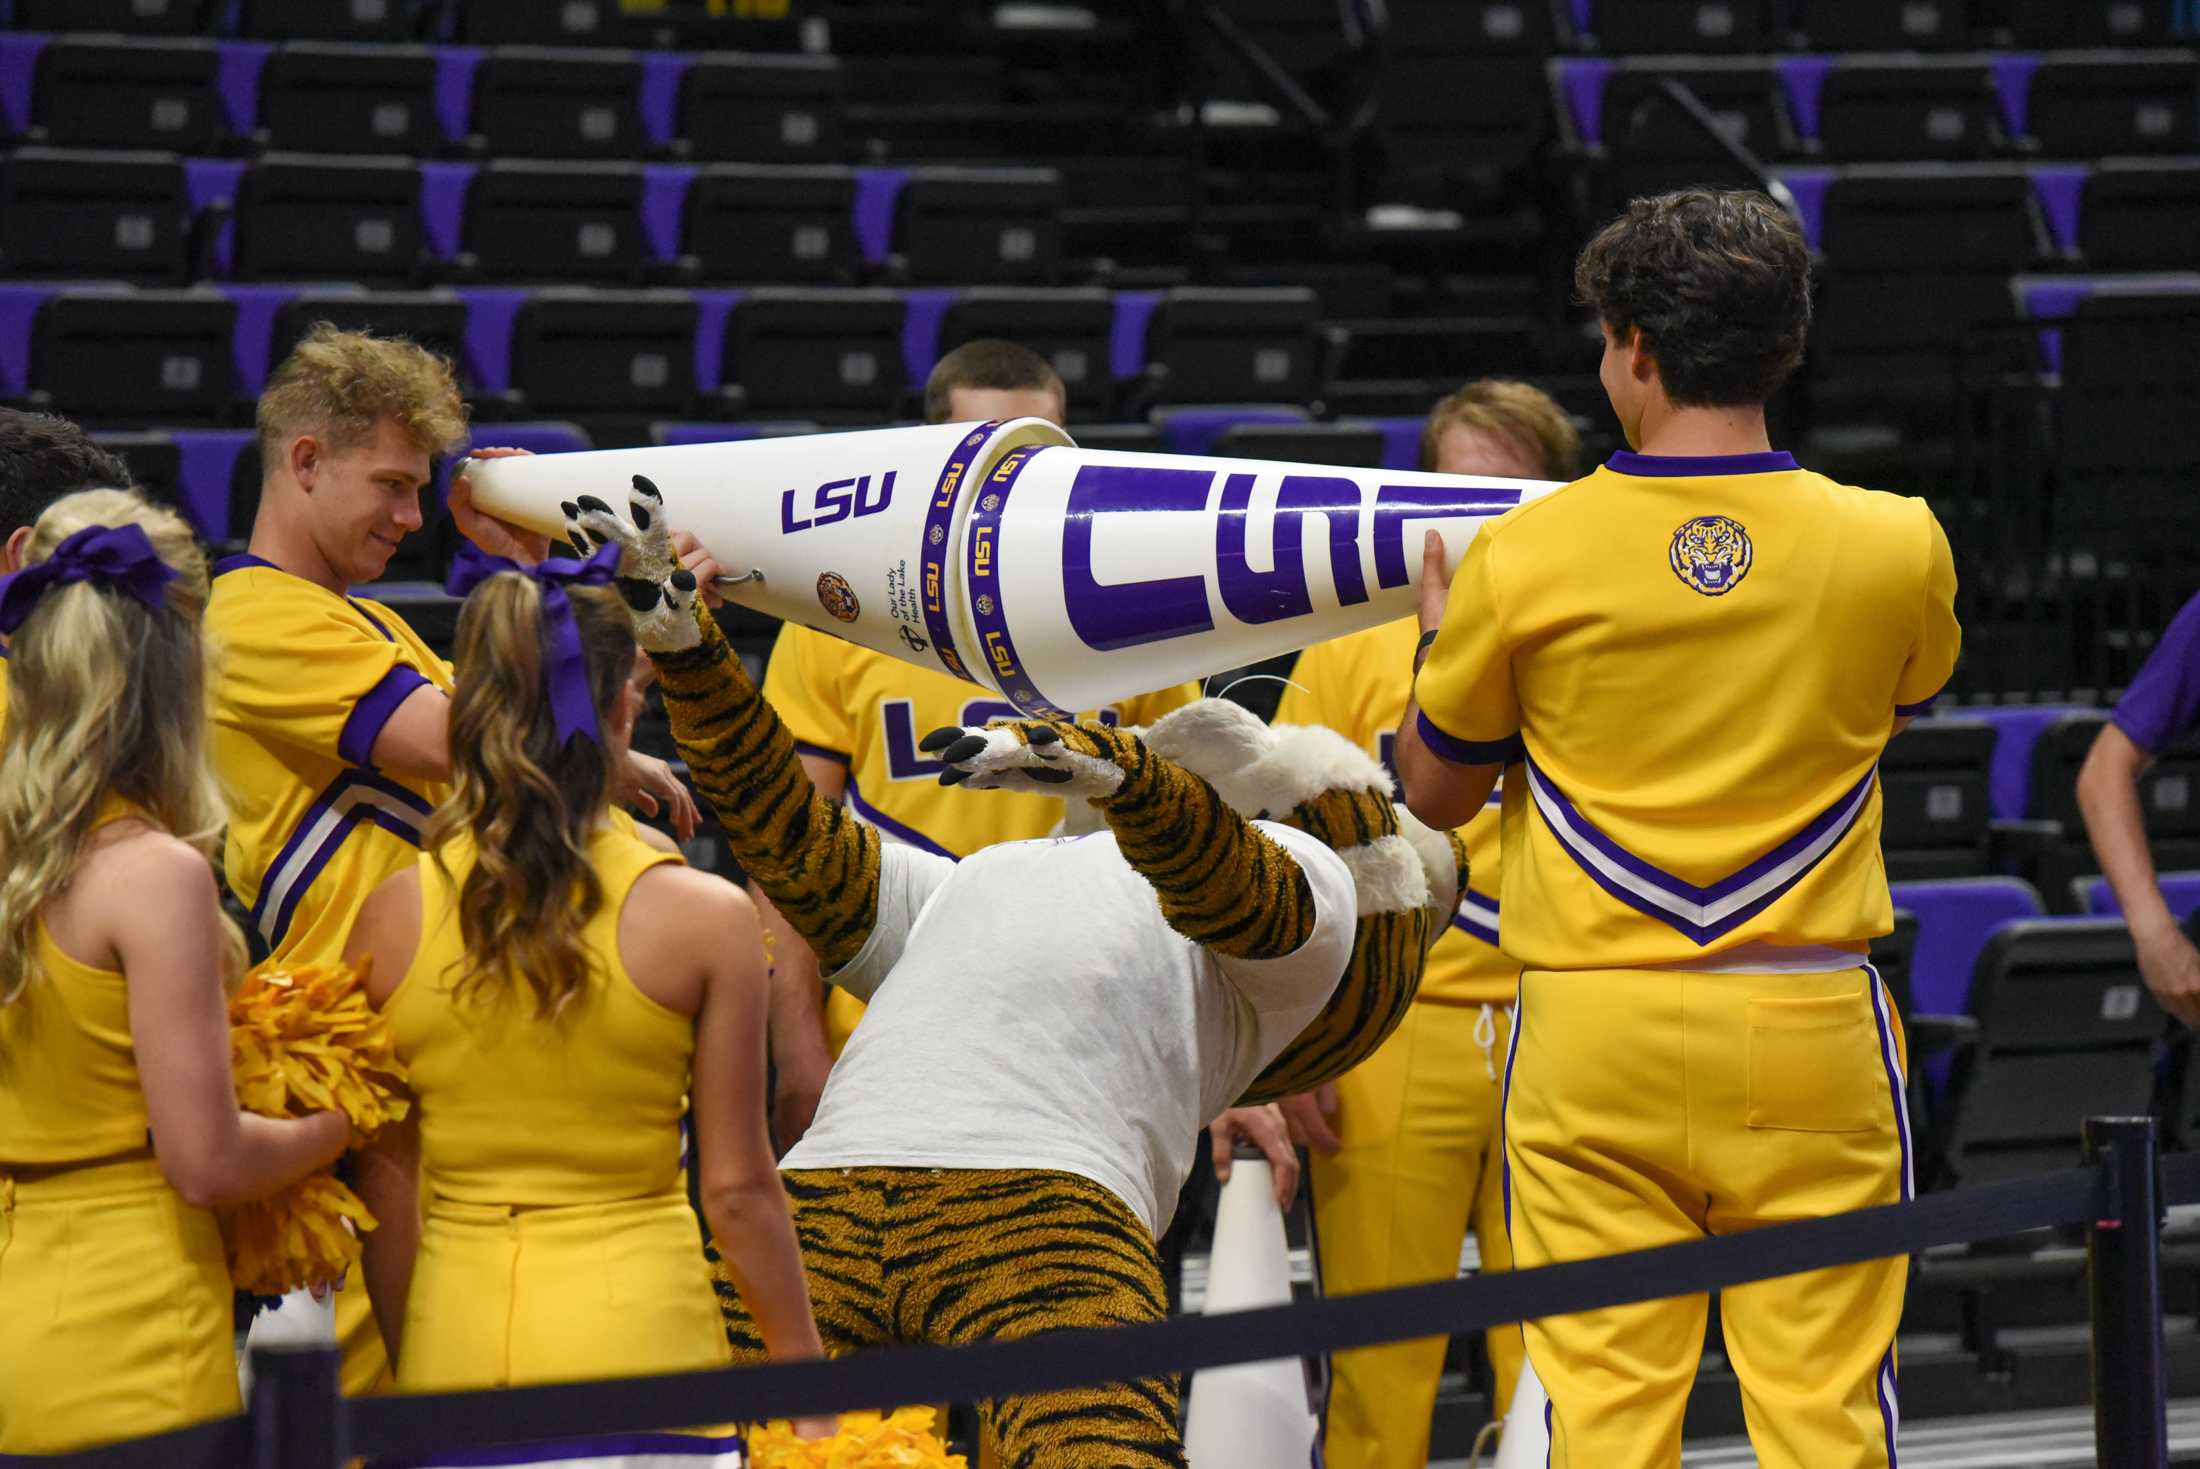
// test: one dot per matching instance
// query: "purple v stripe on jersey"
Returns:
(1704, 914)
(353, 797)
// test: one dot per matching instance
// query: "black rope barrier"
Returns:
(413, 1426)
(890, 1376)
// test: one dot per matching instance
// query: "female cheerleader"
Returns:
(119, 1126)
(543, 988)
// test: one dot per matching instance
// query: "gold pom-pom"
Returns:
(304, 1041)
(902, 1440)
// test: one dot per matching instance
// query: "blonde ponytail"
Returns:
(106, 697)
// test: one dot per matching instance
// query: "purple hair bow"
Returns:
(119, 556)
(565, 670)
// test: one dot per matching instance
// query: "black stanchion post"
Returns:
(297, 1409)
(2124, 1265)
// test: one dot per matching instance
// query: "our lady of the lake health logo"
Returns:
(1712, 554)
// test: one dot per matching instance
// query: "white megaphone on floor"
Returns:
(1525, 1442)
(1062, 578)
(1253, 1415)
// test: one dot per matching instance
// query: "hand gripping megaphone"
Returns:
(1062, 578)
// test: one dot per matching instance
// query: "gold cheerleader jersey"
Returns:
(1357, 685)
(867, 711)
(1700, 660)
(305, 679)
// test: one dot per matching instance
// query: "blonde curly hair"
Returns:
(338, 384)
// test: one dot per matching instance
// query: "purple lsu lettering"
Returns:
(840, 499)
(1112, 615)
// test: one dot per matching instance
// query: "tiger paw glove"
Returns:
(1043, 756)
(660, 591)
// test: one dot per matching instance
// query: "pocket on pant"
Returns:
(1814, 1065)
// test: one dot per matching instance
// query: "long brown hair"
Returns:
(528, 802)
(105, 696)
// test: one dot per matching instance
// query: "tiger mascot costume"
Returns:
(1052, 1021)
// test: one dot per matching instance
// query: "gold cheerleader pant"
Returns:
(952, 1256)
(503, 1296)
(114, 1308)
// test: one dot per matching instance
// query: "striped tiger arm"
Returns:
(1222, 883)
(815, 861)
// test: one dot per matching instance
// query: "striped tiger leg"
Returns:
(984, 1255)
(1380, 978)
(839, 1219)
(816, 861)
(1222, 884)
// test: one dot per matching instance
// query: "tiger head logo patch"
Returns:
(837, 597)
(1712, 554)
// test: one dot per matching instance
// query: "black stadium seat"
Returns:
(332, 20)
(1877, 25)
(327, 97)
(1224, 346)
(134, 357)
(2067, 1030)
(755, 222)
(830, 355)
(2059, 23)
(979, 225)
(1464, 97)
(1070, 328)
(66, 213)
(2087, 107)
(136, 17)
(1894, 315)
(1889, 111)
(2140, 214)
(1345, 444)
(314, 216)
(1682, 25)
(154, 461)
(539, 22)
(1653, 144)
(543, 102)
(583, 352)
(1937, 815)
(763, 108)
(434, 319)
(539, 221)
(112, 92)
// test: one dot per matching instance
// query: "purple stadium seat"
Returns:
(2181, 890)
(208, 459)
(1194, 430)
(2017, 729)
(1954, 919)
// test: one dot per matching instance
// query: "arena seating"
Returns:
(663, 224)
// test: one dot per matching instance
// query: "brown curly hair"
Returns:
(1717, 282)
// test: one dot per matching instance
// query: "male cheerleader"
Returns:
(1699, 652)
(330, 714)
(1405, 1146)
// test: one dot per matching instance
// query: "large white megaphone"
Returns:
(1062, 578)
(1253, 1415)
